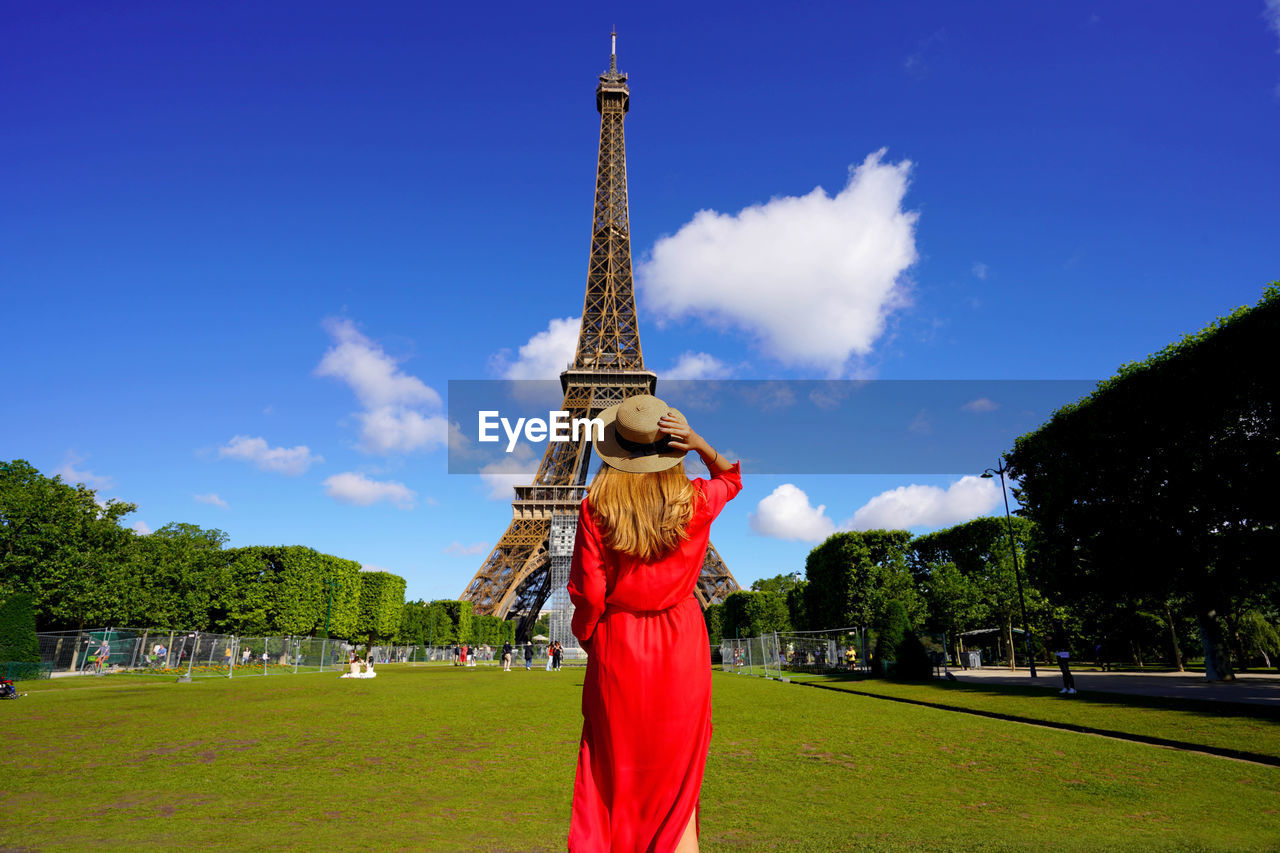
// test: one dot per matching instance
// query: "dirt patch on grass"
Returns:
(170, 750)
(830, 758)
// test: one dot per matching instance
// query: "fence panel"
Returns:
(844, 649)
(200, 654)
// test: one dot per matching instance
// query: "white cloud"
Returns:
(372, 374)
(353, 488)
(926, 506)
(697, 365)
(502, 476)
(396, 430)
(915, 64)
(787, 514)
(400, 410)
(142, 528)
(369, 567)
(460, 550)
(980, 405)
(545, 354)
(69, 473)
(980, 270)
(212, 499)
(920, 424)
(814, 278)
(291, 461)
(1272, 14)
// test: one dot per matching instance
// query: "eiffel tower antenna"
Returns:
(530, 563)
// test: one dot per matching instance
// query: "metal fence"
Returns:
(24, 670)
(485, 655)
(199, 654)
(772, 655)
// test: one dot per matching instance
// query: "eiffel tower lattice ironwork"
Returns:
(529, 564)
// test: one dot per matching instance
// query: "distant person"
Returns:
(102, 656)
(244, 657)
(557, 655)
(528, 657)
(551, 658)
(1064, 664)
(642, 538)
(506, 656)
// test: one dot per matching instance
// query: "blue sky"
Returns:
(244, 249)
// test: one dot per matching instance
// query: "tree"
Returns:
(714, 617)
(1259, 637)
(891, 627)
(954, 603)
(911, 659)
(80, 567)
(983, 587)
(381, 600)
(783, 583)
(753, 614)
(456, 617)
(797, 611)
(853, 576)
(18, 641)
(491, 631)
(1158, 486)
(58, 545)
(185, 578)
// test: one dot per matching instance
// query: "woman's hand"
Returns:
(684, 438)
(682, 435)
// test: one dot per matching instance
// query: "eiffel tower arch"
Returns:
(530, 563)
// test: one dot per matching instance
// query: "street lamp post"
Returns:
(1013, 546)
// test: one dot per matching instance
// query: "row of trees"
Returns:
(1154, 496)
(80, 567)
(450, 622)
(944, 583)
(1149, 525)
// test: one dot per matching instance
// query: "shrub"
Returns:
(911, 662)
(892, 628)
(18, 640)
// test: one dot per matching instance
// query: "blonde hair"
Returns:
(644, 515)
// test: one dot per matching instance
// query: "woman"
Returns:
(642, 537)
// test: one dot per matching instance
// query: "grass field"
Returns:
(1241, 727)
(468, 760)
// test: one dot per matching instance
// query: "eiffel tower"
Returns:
(530, 563)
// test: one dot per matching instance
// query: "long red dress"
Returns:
(646, 700)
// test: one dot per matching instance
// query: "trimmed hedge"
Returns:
(18, 642)
(381, 600)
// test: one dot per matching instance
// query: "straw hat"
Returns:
(632, 441)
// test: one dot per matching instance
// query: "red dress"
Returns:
(646, 700)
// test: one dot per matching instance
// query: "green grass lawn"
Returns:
(1236, 726)
(448, 759)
